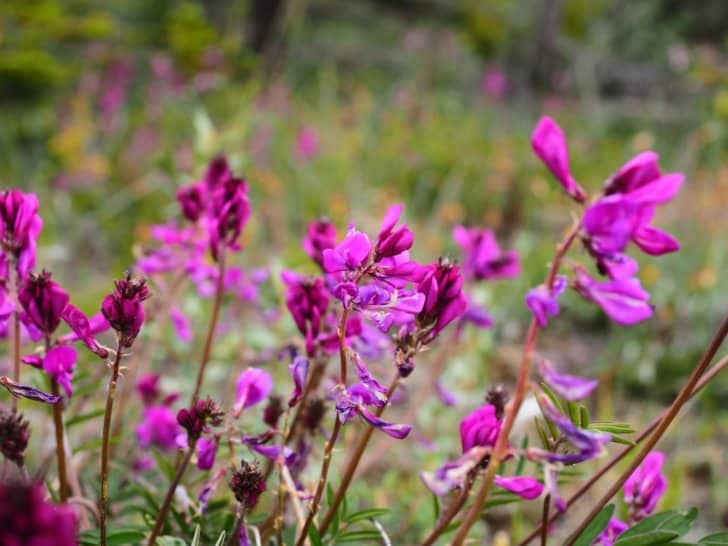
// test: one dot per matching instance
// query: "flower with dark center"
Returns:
(247, 483)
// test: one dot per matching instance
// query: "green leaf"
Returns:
(622, 440)
(85, 417)
(574, 413)
(169, 540)
(435, 507)
(117, 537)
(717, 539)
(359, 536)
(367, 513)
(221, 539)
(314, 536)
(595, 527)
(614, 428)
(658, 529)
(196, 537)
(583, 416)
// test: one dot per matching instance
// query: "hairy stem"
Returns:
(105, 441)
(680, 400)
(353, 462)
(625, 451)
(211, 328)
(500, 451)
(164, 510)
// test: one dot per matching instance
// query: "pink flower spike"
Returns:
(570, 387)
(524, 486)
(549, 143)
(253, 386)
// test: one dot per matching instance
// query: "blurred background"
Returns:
(342, 108)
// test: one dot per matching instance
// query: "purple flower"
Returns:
(480, 428)
(524, 486)
(206, 452)
(26, 518)
(476, 315)
(229, 211)
(611, 532)
(59, 364)
(43, 301)
(24, 391)
(570, 387)
(623, 300)
(549, 144)
(299, 372)
(124, 309)
(644, 488)
(193, 200)
(390, 241)
(483, 256)
(320, 235)
(445, 396)
(148, 388)
(353, 401)
(444, 300)
(453, 473)
(307, 300)
(158, 428)
(84, 329)
(181, 324)
(20, 226)
(349, 255)
(307, 143)
(253, 386)
(543, 302)
(199, 417)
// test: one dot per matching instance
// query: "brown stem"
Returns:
(501, 447)
(211, 328)
(321, 483)
(161, 518)
(451, 512)
(682, 397)
(625, 451)
(544, 519)
(106, 439)
(280, 506)
(353, 462)
(60, 447)
(15, 342)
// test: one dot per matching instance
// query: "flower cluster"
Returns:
(20, 226)
(124, 309)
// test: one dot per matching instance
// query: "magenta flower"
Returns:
(84, 329)
(392, 242)
(206, 452)
(549, 144)
(26, 518)
(623, 300)
(524, 486)
(494, 83)
(59, 364)
(570, 387)
(307, 143)
(349, 255)
(20, 226)
(483, 256)
(480, 428)
(43, 301)
(229, 212)
(199, 417)
(543, 302)
(307, 300)
(193, 200)
(644, 488)
(452, 474)
(444, 300)
(124, 309)
(253, 386)
(181, 324)
(609, 536)
(320, 235)
(158, 428)
(148, 388)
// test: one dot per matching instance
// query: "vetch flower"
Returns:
(20, 226)
(247, 483)
(483, 258)
(623, 300)
(480, 428)
(307, 300)
(229, 212)
(206, 452)
(299, 372)
(320, 235)
(390, 241)
(84, 329)
(549, 144)
(524, 486)
(199, 417)
(453, 474)
(570, 387)
(253, 386)
(644, 488)
(543, 302)
(158, 428)
(444, 300)
(59, 363)
(43, 301)
(349, 255)
(609, 536)
(124, 309)
(148, 388)
(26, 518)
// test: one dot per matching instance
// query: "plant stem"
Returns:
(626, 451)
(280, 507)
(353, 462)
(15, 342)
(682, 397)
(321, 483)
(105, 440)
(170, 493)
(58, 426)
(544, 520)
(452, 511)
(500, 451)
(211, 328)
